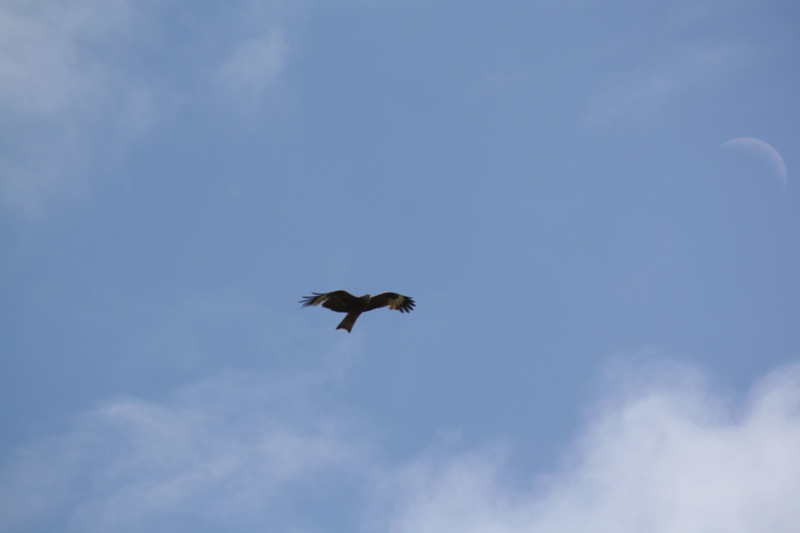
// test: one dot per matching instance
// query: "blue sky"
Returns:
(606, 334)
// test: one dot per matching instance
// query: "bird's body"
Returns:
(344, 302)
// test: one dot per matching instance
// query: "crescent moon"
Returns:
(763, 151)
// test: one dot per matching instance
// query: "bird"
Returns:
(344, 302)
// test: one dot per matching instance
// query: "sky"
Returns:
(595, 206)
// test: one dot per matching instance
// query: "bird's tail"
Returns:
(348, 321)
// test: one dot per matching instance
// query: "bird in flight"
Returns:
(344, 302)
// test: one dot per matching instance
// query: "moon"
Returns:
(762, 151)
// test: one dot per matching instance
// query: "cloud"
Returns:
(59, 82)
(645, 91)
(43, 48)
(231, 452)
(669, 458)
(84, 78)
(271, 452)
(251, 67)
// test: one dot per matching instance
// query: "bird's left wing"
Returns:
(404, 304)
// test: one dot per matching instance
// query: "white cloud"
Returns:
(239, 451)
(668, 459)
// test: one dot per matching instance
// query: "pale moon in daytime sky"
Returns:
(764, 152)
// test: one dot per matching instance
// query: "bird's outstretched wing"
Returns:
(404, 304)
(339, 301)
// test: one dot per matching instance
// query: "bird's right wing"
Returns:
(404, 304)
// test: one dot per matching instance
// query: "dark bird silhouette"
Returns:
(344, 302)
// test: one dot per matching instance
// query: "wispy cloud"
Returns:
(77, 83)
(271, 451)
(645, 90)
(60, 81)
(251, 67)
(232, 451)
(43, 53)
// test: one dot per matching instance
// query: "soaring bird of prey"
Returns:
(344, 302)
